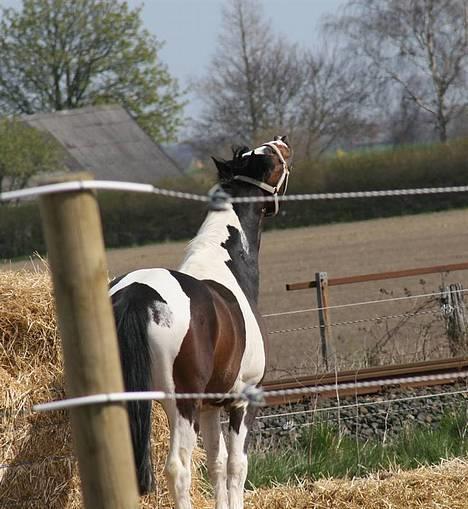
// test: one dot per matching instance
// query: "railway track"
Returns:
(398, 371)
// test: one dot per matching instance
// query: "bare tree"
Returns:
(259, 83)
(253, 79)
(421, 45)
(332, 101)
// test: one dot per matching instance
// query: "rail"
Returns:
(397, 371)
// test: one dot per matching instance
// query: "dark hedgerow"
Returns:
(135, 219)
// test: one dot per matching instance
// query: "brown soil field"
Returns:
(342, 250)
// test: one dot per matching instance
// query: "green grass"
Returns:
(321, 452)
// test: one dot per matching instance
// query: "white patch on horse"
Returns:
(263, 149)
(162, 314)
(206, 259)
(165, 336)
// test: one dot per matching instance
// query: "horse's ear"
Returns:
(284, 139)
(224, 172)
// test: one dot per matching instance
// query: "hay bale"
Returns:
(440, 487)
(37, 466)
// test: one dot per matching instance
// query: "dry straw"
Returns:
(441, 487)
(42, 472)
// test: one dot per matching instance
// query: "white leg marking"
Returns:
(216, 452)
(237, 461)
(179, 460)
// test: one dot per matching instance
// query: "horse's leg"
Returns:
(240, 422)
(213, 441)
(182, 442)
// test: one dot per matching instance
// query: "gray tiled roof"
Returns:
(108, 142)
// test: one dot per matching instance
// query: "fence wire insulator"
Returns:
(446, 309)
(219, 199)
(255, 396)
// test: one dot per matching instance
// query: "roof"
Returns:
(107, 141)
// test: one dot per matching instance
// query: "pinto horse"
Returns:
(198, 330)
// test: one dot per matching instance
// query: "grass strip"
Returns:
(321, 451)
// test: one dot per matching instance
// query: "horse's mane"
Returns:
(240, 165)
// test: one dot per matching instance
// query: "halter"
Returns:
(273, 190)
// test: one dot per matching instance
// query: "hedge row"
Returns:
(133, 219)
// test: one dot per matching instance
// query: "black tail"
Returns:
(131, 318)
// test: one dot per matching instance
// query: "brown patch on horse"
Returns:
(277, 172)
(230, 339)
(211, 352)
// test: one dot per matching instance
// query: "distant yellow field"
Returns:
(340, 250)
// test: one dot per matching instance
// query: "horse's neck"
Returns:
(226, 250)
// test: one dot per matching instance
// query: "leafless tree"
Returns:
(259, 82)
(332, 101)
(232, 92)
(421, 45)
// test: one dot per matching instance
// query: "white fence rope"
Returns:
(251, 394)
(27, 464)
(353, 304)
(358, 405)
(110, 185)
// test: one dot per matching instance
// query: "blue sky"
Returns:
(190, 28)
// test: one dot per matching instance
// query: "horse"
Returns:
(198, 330)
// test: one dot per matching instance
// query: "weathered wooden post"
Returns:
(100, 433)
(321, 285)
(453, 306)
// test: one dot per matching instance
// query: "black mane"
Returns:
(257, 166)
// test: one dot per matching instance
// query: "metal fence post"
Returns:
(101, 434)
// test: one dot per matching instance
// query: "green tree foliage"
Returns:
(25, 152)
(57, 54)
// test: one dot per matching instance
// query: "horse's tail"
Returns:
(131, 322)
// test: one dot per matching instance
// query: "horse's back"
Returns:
(194, 330)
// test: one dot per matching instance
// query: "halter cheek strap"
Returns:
(273, 190)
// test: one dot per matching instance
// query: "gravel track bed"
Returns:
(381, 416)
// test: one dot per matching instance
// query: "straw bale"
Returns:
(37, 465)
(443, 487)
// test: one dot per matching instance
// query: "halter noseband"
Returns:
(273, 190)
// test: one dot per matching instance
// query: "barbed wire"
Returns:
(252, 395)
(110, 185)
(353, 304)
(355, 322)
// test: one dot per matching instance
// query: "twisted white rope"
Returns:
(109, 185)
(364, 404)
(251, 394)
(81, 185)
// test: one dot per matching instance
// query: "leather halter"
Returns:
(273, 190)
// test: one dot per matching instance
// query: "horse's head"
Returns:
(266, 168)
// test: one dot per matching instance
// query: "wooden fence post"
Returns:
(454, 311)
(101, 434)
(321, 285)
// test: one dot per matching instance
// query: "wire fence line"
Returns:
(355, 322)
(359, 405)
(109, 185)
(252, 395)
(335, 408)
(354, 304)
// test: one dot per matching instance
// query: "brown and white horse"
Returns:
(198, 330)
